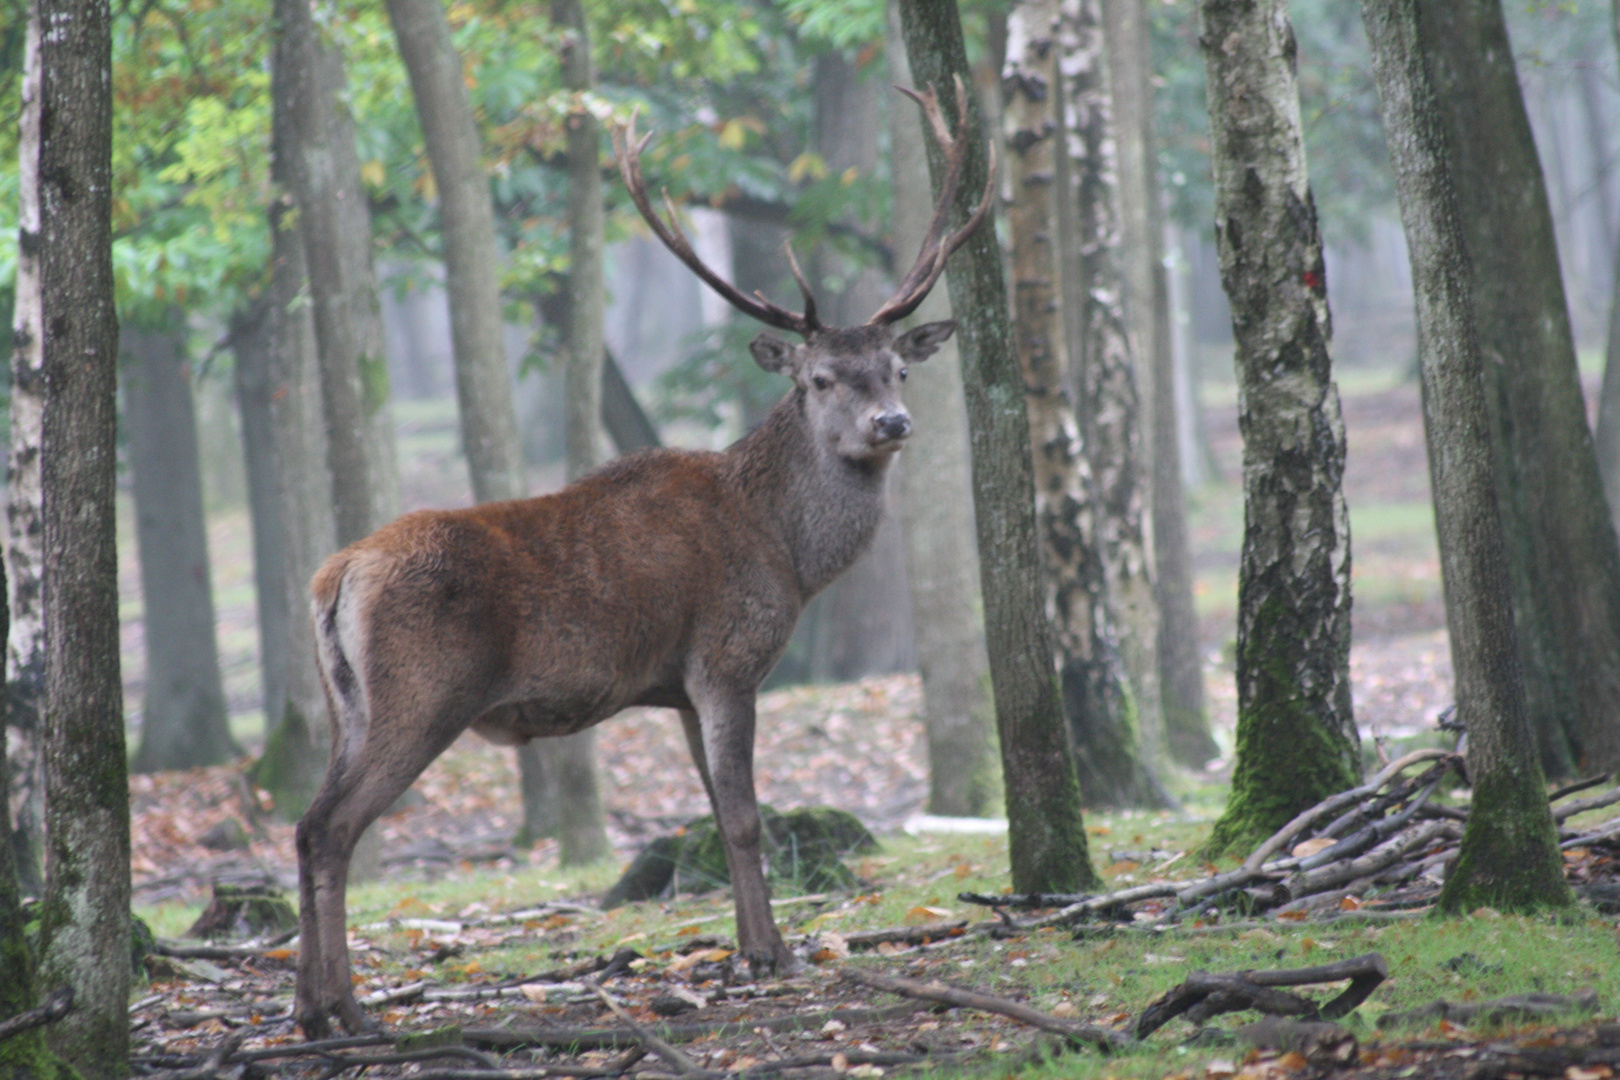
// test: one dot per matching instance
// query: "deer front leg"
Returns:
(722, 743)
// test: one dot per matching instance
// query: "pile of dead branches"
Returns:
(1383, 846)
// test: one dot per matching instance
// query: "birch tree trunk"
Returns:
(1127, 32)
(184, 715)
(1097, 695)
(471, 257)
(1568, 607)
(1046, 832)
(85, 928)
(1296, 739)
(323, 176)
(1606, 439)
(1104, 356)
(1509, 858)
(25, 638)
(935, 505)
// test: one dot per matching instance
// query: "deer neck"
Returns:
(825, 507)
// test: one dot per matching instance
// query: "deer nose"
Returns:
(892, 425)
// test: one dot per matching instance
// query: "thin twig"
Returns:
(681, 1063)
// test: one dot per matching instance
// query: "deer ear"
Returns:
(772, 354)
(923, 341)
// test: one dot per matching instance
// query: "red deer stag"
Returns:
(670, 578)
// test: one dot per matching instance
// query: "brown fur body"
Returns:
(670, 578)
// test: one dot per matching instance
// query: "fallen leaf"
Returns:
(1306, 848)
(840, 1062)
(924, 913)
(698, 956)
(1588, 1072)
(1218, 1068)
(1292, 916)
(1349, 903)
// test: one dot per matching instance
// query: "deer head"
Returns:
(848, 377)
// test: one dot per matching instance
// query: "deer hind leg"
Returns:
(724, 749)
(364, 779)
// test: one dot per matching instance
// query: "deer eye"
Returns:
(820, 382)
(903, 374)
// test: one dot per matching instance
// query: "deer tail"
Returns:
(335, 597)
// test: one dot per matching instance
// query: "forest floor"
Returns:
(431, 942)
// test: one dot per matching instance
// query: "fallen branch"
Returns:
(1081, 1034)
(210, 1067)
(1204, 995)
(1581, 806)
(906, 935)
(56, 1005)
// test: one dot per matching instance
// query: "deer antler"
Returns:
(627, 149)
(914, 287)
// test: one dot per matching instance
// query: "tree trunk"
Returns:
(1104, 357)
(283, 345)
(183, 721)
(322, 173)
(935, 506)
(25, 638)
(1509, 857)
(251, 374)
(1567, 608)
(571, 771)
(1046, 837)
(1101, 709)
(24, 1056)
(1126, 26)
(85, 927)
(471, 257)
(1607, 437)
(1296, 738)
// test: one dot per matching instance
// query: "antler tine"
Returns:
(931, 257)
(627, 150)
(804, 287)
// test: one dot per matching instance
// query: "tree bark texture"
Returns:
(1296, 738)
(85, 927)
(559, 779)
(934, 502)
(1046, 836)
(253, 385)
(1103, 355)
(1509, 857)
(1567, 605)
(23, 1056)
(582, 377)
(183, 722)
(1127, 32)
(322, 173)
(471, 258)
(1101, 709)
(25, 639)
(295, 752)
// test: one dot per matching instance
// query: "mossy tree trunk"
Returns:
(1126, 27)
(1097, 693)
(934, 500)
(1047, 838)
(183, 721)
(85, 924)
(1567, 607)
(1103, 356)
(1509, 857)
(1296, 737)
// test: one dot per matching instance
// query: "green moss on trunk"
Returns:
(1509, 858)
